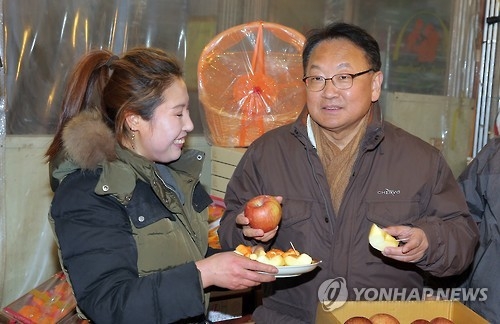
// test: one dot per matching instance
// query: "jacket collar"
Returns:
(374, 132)
(374, 129)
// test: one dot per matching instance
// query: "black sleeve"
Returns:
(99, 252)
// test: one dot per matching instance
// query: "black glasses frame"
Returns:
(304, 79)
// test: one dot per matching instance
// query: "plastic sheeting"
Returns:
(2, 165)
(488, 98)
(44, 39)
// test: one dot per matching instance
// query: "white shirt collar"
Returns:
(310, 133)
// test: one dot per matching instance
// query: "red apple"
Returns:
(358, 320)
(263, 212)
(383, 318)
(441, 320)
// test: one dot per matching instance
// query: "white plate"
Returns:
(293, 271)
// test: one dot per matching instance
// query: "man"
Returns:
(480, 182)
(340, 168)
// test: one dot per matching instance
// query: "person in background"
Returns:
(480, 182)
(340, 168)
(129, 212)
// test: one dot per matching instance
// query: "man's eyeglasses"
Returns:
(341, 81)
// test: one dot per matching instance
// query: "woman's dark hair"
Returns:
(115, 87)
(355, 34)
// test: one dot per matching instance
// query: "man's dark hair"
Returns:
(355, 34)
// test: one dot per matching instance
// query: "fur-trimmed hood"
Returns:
(88, 141)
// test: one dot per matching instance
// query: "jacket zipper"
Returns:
(188, 227)
(325, 198)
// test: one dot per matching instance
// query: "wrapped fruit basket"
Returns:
(48, 303)
(249, 81)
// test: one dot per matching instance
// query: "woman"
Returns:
(129, 213)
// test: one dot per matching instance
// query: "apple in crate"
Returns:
(263, 212)
(441, 320)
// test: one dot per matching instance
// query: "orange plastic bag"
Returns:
(249, 81)
(48, 303)
(215, 212)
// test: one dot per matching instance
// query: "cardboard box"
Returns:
(227, 308)
(405, 312)
(227, 304)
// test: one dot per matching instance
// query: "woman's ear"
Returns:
(132, 121)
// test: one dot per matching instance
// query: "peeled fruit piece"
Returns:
(273, 252)
(302, 259)
(243, 250)
(263, 259)
(383, 318)
(420, 321)
(379, 238)
(290, 252)
(257, 252)
(276, 260)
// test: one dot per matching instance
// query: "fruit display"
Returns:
(215, 212)
(380, 239)
(46, 304)
(263, 212)
(274, 256)
(404, 311)
(213, 238)
(384, 318)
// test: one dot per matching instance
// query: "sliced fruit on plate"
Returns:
(243, 250)
(302, 259)
(274, 256)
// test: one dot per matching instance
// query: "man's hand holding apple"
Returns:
(260, 218)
